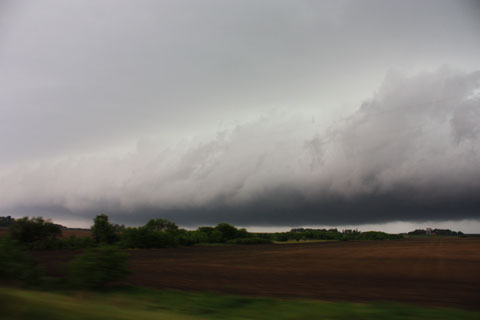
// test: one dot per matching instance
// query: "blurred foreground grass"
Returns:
(140, 303)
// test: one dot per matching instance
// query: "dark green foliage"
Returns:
(98, 267)
(229, 232)
(145, 237)
(418, 232)
(74, 242)
(206, 230)
(15, 265)
(6, 221)
(199, 236)
(332, 234)
(222, 233)
(157, 233)
(250, 241)
(103, 231)
(118, 227)
(161, 233)
(213, 234)
(269, 236)
(437, 232)
(242, 233)
(283, 237)
(216, 236)
(446, 232)
(349, 235)
(374, 235)
(34, 232)
(185, 238)
(161, 225)
(210, 235)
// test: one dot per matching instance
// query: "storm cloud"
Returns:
(410, 152)
(272, 113)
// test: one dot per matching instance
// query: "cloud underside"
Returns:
(409, 153)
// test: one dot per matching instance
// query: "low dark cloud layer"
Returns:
(409, 153)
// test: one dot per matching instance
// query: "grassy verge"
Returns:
(139, 304)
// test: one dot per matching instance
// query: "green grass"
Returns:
(140, 303)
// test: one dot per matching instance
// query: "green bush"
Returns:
(98, 267)
(16, 266)
(250, 241)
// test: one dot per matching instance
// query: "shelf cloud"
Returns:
(410, 152)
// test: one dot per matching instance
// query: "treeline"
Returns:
(299, 234)
(38, 233)
(437, 232)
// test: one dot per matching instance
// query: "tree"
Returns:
(143, 237)
(242, 233)
(35, 231)
(229, 232)
(102, 230)
(161, 225)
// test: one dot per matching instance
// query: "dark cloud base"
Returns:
(291, 209)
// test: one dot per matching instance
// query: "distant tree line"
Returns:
(41, 234)
(438, 232)
(38, 233)
(299, 234)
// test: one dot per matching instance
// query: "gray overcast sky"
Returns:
(260, 113)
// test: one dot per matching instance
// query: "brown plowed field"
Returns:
(443, 272)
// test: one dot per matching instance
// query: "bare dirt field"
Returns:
(441, 272)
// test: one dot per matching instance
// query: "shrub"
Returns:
(35, 231)
(15, 265)
(98, 267)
